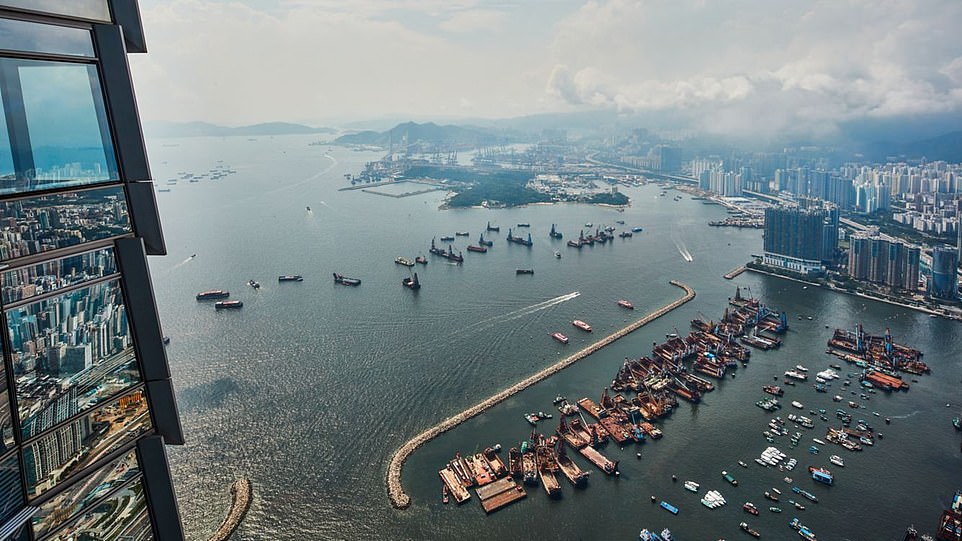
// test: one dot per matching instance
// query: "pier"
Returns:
(400, 499)
(242, 492)
(730, 275)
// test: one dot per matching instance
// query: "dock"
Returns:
(732, 274)
(499, 494)
(455, 487)
(242, 493)
(400, 499)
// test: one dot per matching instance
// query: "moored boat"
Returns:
(749, 530)
(750, 508)
(345, 281)
(821, 475)
(404, 261)
(213, 294)
(559, 337)
(227, 305)
(837, 460)
(524, 271)
(478, 249)
(421, 260)
(669, 507)
(290, 278)
(691, 486)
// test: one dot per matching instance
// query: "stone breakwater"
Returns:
(242, 492)
(400, 499)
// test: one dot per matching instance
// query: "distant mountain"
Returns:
(427, 133)
(946, 147)
(200, 129)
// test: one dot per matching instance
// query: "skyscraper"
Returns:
(944, 281)
(86, 403)
(800, 239)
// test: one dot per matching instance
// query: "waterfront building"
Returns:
(944, 280)
(801, 238)
(880, 260)
(86, 402)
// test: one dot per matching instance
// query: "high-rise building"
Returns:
(944, 280)
(879, 260)
(800, 239)
(86, 403)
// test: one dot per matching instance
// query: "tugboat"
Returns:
(749, 530)
(345, 281)
(559, 337)
(581, 325)
(554, 233)
(404, 261)
(421, 260)
(444, 493)
(254, 284)
(625, 304)
(290, 278)
(412, 283)
(213, 294)
(227, 305)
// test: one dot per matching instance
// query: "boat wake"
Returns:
(537, 307)
(907, 415)
(184, 262)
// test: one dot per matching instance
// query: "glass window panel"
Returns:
(82, 494)
(70, 353)
(6, 419)
(63, 120)
(39, 224)
(11, 491)
(8, 174)
(25, 282)
(96, 10)
(45, 38)
(123, 516)
(61, 453)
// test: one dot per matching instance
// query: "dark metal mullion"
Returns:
(11, 403)
(15, 114)
(47, 57)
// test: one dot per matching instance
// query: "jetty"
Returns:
(732, 274)
(242, 492)
(400, 499)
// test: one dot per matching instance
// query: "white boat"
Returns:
(797, 404)
(801, 368)
(818, 441)
(691, 486)
(837, 460)
(713, 499)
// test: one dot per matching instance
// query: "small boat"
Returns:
(524, 224)
(447, 238)
(308, 209)
(345, 281)
(750, 508)
(166, 340)
(524, 271)
(636, 230)
(254, 284)
(412, 283)
(227, 305)
(818, 441)
(581, 325)
(213, 294)
(806, 534)
(625, 304)
(666, 535)
(774, 509)
(421, 260)
(749, 530)
(290, 278)
(837, 460)
(727, 476)
(404, 261)
(956, 422)
(691, 486)
(461, 234)
(770, 496)
(444, 493)
(625, 234)
(669, 507)
(742, 464)
(559, 337)
(821, 475)
(797, 404)
(557, 254)
(589, 224)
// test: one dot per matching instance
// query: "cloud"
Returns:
(474, 20)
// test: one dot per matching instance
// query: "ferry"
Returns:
(290, 278)
(345, 281)
(225, 305)
(524, 271)
(625, 304)
(749, 530)
(581, 325)
(750, 508)
(213, 294)
(412, 283)
(837, 460)
(821, 475)
(559, 337)
(404, 261)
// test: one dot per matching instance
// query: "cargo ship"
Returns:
(290, 278)
(821, 475)
(213, 294)
(554, 233)
(492, 227)
(227, 305)
(412, 283)
(478, 249)
(581, 325)
(559, 337)
(404, 261)
(482, 242)
(519, 240)
(345, 281)
(524, 271)
(625, 304)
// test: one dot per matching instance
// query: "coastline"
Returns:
(400, 499)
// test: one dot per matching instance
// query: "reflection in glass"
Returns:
(96, 10)
(40, 224)
(11, 492)
(69, 353)
(44, 38)
(81, 495)
(6, 419)
(122, 516)
(25, 282)
(65, 451)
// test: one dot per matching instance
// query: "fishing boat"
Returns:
(404, 261)
(625, 304)
(581, 325)
(345, 281)
(227, 305)
(750, 508)
(749, 530)
(559, 337)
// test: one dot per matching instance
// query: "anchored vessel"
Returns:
(290, 278)
(519, 240)
(554, 233)
(226, 305)
(404, 261)
(411, 283)
(213, 294)
(345, 281)
(581, 325)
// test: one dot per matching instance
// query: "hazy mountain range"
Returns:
(205, 129)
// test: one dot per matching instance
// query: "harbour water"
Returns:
(310, 388)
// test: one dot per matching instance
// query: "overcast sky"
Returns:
(729, 65)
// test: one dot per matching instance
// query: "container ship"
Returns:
(404, 261)
(227, 305)
(581, 325)
(559, 337)
(345, 281)
(412, 283)
(625, 304)
(519, 240)
(213, 294)
(554, 233)
(290, 278)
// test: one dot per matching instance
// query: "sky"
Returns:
(732, 66)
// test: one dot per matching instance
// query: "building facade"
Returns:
(800, 239)
(86, 402)
(944, 280)
(872, 258)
